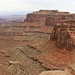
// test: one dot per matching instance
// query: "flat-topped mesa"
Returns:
(40, 16)
(49, 12)
(62, 37)
(46, 11)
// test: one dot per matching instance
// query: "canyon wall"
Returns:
(39, 16)
(35, 18)
(44, 20)
(49, 17)
(57, 18)
(63, 34)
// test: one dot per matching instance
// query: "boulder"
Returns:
(56, 72)
(14, 62)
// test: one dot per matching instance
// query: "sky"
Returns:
(35, 5)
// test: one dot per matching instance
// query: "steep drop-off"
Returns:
(59, 51)
(44, 20)
(62, 37)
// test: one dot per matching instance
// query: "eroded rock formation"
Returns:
(44, 20)
(70, 70)
(58, 52)
(49, 17)
(61, 35)
(53, 19)
(39, 16)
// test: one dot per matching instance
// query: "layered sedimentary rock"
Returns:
(53, 19)
(44, 20)
(39, 16)
(49, 17)
(70, 70)
(44, 15)
(59, 51)
(61, 35)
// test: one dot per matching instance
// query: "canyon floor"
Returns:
(15, 50)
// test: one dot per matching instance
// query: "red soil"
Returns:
(60, 57)
(53, 57)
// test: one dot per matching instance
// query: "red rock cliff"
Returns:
(61, 34)
(50, 17)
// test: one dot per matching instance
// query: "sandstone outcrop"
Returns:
(53, 19)
(49, 17)
(57, 72)
(58, 52)
(61, 35)
(27, 51)
(41, 15)
(70, 70)
(44, 20)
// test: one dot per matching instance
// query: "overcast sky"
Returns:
(34, 5)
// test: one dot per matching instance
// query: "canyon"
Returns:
(44, 42)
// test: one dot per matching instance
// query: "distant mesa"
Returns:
(49, 17)
(43, 19)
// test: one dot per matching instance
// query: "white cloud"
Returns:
(24, 5)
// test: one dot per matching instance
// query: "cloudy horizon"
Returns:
(35, 5)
